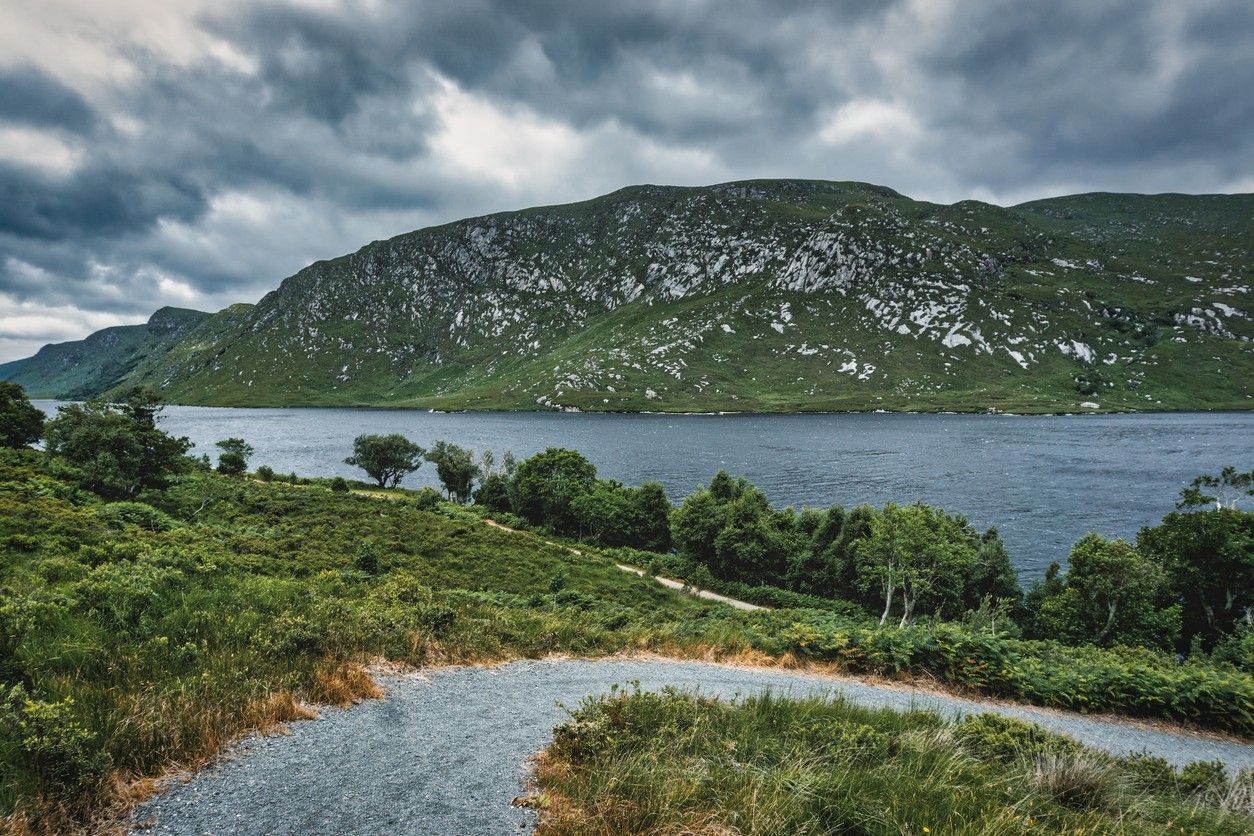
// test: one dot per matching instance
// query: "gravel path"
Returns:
(445, 752)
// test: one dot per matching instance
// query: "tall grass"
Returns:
(673, 762)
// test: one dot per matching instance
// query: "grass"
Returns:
(678, 763)
(136, 636)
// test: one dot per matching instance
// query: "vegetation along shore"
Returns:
(157, 605)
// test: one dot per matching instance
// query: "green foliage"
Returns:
(139, 514)
(547, 485)
(670, 762)
(21, 423)
(1227, 490)
(900, 561)
(919, 551)
(339, 485)
(1124, 680)
(51, 741)
(495, 493)
(233, 461)
(266, 474)
(1110, 595)
(456, 468)
(1208, 557)
(1005, 739)
(115, 449)
(386, 458)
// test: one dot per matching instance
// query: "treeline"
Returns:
(1186, 584)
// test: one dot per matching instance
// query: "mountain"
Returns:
(757, 295)
(102, 361)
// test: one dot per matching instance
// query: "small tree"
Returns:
(21, 422)
(386, 458)
(1227, 490)
(456, 468)
(1111, 594)
(547, 483)
(234, 457)
(115, 449)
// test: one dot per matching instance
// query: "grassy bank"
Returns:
(674, 763)
(137, 635)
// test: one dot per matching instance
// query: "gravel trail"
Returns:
(446, 751)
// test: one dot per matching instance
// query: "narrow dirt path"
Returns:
(670, 583)
(445, 752)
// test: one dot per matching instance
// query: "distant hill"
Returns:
(757, 295)
(103, 360)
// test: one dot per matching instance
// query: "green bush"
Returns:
(1008, 740)
(139, 514)
(52, 741)
(1121, 680)
(265, 473)
(339, 485)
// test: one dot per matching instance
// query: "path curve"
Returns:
(445, 751)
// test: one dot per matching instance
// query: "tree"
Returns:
(386, 458)
(495, 493)
(234, 457)
(21, 422)
(1208, 557)
(456, 468)
(651, 512)
(1110, 595)
(546, 485)
(919, 552)
(115, 449)
(1227, 490)
(730, 528)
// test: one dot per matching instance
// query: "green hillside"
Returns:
(758, 295)
(101, 361)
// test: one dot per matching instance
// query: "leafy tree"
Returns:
(614, 515)
(115, 449)
(265, 473)
(1227, 490)
(652, 518)
(495, 493)
(1110, 595)
(21, 423)
(456, 468)
(234, 457)
(547, 484)
(918, 552)
(386, 458)
(992, 575)
(731, 528)
(1208, 557)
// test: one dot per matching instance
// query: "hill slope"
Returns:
(101, 361)
(759, 295)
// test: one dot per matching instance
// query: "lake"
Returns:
(1044, 481)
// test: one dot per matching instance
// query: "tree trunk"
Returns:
(888, 601)
(1110, 620)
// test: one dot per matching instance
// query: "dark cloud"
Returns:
(275, 134)
(32, 97)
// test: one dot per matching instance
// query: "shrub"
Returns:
(52, 741)
(427, 499)
(1008, 740)
(339, 484)
(137, 513)
(265, 473)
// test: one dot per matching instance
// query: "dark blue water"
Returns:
(1043, 481)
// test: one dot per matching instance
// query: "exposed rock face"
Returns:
(766, 294)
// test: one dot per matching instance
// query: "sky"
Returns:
(196, 152)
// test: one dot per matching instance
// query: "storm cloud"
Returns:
(195, 153)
